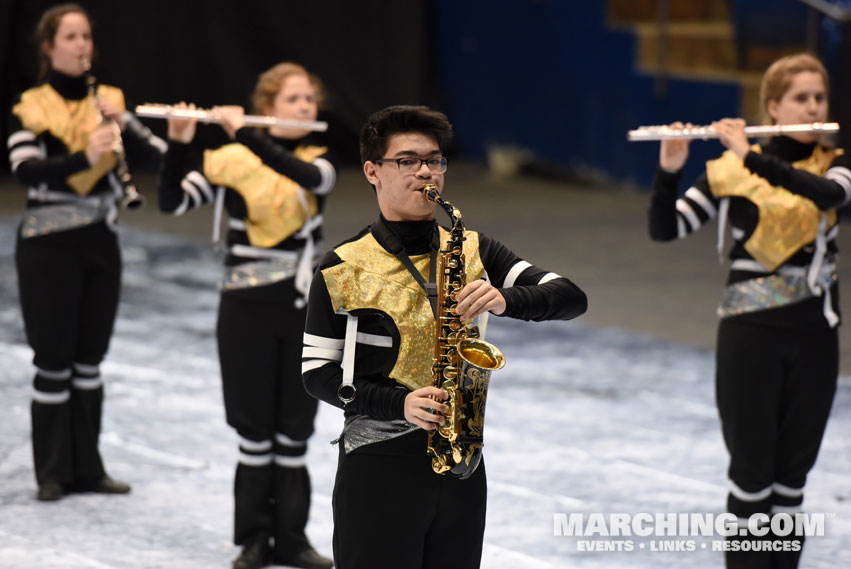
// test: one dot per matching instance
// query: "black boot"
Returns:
(105, 485)
(255, 553)
(307, 558)
(50, 492)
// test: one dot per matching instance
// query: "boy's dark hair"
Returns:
(401, 119)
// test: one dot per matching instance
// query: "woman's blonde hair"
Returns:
(778, 77)
(269, 84)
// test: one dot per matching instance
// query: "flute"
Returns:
(664, 132)
(153, 111)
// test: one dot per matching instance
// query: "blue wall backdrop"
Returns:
(551, 77)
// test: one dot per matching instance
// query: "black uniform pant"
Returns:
(260, 346)
(69, 285)
(392, 511)
(774, 389)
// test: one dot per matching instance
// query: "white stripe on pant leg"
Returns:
(291, 461)
(51, 398)
(285, 441)
(749, 496)
(87, 369)
(87, 383)
(255, 446)
(57, 375)
(791, 510)
(787, 491)
(255, 460)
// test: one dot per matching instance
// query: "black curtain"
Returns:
(368, 53)
(841, 84)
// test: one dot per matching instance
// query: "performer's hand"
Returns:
(732, 135)
(673, 152)
(478, 297)
(420, 403)
(232, 117)
(182, 129)
(101, 140)
(113, 112)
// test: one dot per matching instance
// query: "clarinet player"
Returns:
(67, 254)
(368, 307)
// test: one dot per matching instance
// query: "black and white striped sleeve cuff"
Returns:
(319, 351)
(328, 177)
(197, 191)
(22, 146)
(842, 176)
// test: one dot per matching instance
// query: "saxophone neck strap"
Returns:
(388, 239)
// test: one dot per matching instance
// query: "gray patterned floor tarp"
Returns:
(583, 419)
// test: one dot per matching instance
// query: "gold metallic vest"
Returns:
(787, 221)
(43, 109)
(371, 277)
(277, 206)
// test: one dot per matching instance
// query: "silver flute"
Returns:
(664, 132)
(153, 111)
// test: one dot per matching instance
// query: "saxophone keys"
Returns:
(457, 455)
(438, 464)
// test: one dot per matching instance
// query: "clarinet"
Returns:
(131, 199)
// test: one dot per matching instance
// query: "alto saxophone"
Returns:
(462, 362)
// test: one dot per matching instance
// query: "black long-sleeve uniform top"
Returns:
(530, 293)
(43, 160)
(672, 216)
(184, 188)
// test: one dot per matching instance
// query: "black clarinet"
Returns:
(132, 199)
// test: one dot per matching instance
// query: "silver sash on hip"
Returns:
(787, 286)
(70, 212)
(271, 266)
(361, 430)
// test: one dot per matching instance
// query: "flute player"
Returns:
(777, 349)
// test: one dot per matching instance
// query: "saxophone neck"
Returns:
(431, 194)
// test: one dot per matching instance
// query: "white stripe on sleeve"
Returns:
(323, 342)
(329, 177)
(842, 176)
(514, 272)
(684, 209)
(19, 137)
(700, 198)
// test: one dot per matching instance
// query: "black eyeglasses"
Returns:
(412, 164)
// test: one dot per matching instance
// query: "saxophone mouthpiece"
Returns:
(430, 192)
(85, 63)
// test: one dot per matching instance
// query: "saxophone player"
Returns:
(368, 347)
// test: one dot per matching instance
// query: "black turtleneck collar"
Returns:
(288, 143)
(789, 149)
(415, 236)
(67, 86)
